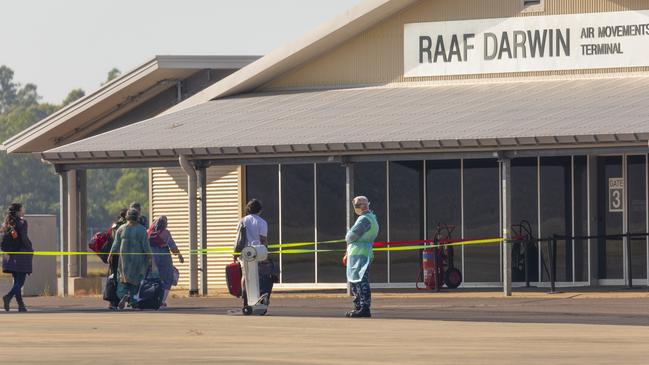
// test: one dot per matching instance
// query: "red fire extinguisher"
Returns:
(429, 268)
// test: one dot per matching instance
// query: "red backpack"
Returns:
(101, 243)
(98, 241)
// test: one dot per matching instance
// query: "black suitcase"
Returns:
(150, 293)
(110, 289)
(268, 274)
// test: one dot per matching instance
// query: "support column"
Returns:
(82, 189)
(593, 222)
(349, 195)
(193, 236)
(63, 233)
(506, 190)
(73, 222)
(202, 198)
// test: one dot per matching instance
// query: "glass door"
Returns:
(610, 218)
(636, 173)
(622, 208)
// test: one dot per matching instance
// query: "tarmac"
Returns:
(461, 327)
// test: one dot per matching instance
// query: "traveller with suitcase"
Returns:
(163, 245)
(135, 258)
(253, 282)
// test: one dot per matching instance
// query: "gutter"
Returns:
(189, 169)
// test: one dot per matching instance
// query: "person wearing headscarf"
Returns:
(119, 221)
(360, 240)
(132, 246)
(162, 245)
(142, 218)
(18, 264)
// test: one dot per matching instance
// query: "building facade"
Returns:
(565, 195)
(480, 115)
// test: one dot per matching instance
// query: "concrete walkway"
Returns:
(407, 328)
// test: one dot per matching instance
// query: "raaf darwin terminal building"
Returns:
(486, 116)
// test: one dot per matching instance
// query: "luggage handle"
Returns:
(149, 271)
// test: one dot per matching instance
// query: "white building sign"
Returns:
(537, 43)
(616, 194)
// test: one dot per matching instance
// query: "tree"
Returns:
(8, 92)
(73, 96)
(132, 186)
(112, 75)
(12, 94)
(26, 179)
(101, 184)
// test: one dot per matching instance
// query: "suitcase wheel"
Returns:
(247, 310)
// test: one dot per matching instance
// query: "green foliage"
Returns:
(112, 75)
(73, 96)
(132, 186)
(101, 184)
(110, 190)
(8, 93)
(26, 179)
(14, 95)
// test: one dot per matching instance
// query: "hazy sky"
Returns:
(64, 44)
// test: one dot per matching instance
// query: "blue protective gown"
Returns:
(360, 239)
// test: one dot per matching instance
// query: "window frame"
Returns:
(532, 6)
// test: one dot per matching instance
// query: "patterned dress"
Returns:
(132, 245)
(162, 258)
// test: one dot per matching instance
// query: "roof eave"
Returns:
(483, 145)
(205, 62)
(16, 143)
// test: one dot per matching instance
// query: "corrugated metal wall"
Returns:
(376, 55)
(169, 197)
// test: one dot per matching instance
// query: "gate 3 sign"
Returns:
(536, 43)
(616, 194)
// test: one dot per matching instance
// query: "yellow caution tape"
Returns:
(282, 249)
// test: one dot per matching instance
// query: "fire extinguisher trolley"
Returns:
(437, 267)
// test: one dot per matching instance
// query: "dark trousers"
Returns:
(362, 292)
(16, 289)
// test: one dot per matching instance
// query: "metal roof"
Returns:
(115, 98)
(323, 38)
(481, 116)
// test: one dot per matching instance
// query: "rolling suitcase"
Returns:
(150, 294)
(233, 278)
(268, 275)
(110, 289)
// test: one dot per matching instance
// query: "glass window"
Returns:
(298, 221)
(556, 212)
(262, 182)
(331, 225)
(370, 180)
(637, 213)
(482, 219)
(609, 251)
(525, 263)
(581, 217)
(406, 217)
(444, 200)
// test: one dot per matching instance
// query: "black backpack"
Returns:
(241, 239)
(9, 244)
